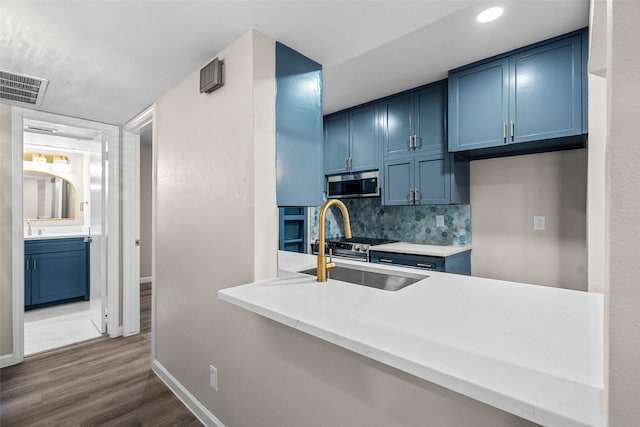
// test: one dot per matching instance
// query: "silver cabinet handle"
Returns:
(424, 265)
(346, 163)
(35, 263)
(386, 260)
(417, 141)
(504, 131)
(350, 163)
(411, 141)
(27, 264)
(416, 195)
(513, 129)
(412, 196)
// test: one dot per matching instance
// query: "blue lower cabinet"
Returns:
(456, 264)
(56, 271)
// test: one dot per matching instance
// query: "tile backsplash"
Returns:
(405, 223)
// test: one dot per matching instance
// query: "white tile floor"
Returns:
(52, 327)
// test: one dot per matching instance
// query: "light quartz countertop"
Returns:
(533, 351)
(420, 249)
(48, 236)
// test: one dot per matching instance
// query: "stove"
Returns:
(356, 248)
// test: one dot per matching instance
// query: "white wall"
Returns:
(622, 184)
(6, 242)
(506, 193)
(216, 228)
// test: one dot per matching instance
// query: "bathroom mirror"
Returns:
(47, 196)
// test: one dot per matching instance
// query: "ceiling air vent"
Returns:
(22, 89)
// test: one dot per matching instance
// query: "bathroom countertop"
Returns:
(48, 236)
(533, 351)
(421, 249)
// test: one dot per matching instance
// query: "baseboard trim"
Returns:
(148, 279)
(198, 409)
(8, 360)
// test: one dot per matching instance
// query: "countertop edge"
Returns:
(420, 249)
(519, 407)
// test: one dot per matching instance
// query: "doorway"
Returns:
(63, 192)
(99, 215)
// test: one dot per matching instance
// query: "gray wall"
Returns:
(146, 151)
(506, 193)
(622, 183)
(217, 224)
(6, 269)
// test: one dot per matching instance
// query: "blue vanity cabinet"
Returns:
(352, 140)
(534, 95)
(56, 271)
(415, 121)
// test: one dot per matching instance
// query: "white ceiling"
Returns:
(108, 60)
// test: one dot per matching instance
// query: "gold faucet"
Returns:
(323, 265)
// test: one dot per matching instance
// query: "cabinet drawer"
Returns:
(415, 261)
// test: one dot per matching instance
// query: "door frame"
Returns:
(131, 220)
(111, 212)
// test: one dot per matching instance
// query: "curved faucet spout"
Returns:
(323, 265)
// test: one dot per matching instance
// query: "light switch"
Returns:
(439, 220)
(538, 222)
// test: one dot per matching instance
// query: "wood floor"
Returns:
(102, 382)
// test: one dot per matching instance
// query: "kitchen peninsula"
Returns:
(533, 351)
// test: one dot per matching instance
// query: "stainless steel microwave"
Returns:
(360, 184)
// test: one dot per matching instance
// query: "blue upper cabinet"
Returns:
(415, 121)
(533, 95)
(546, 99)
(426, 180)
(364, 132)
(299, 154)
(352, 140)
(336, 143)
(397, 117)
(478, 106)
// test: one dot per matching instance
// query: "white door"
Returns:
(93, 211)
(131, 232)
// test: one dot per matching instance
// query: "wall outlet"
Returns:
(538, 222)
(213, 377)
(439, 220)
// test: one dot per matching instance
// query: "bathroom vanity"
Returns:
(56, 271)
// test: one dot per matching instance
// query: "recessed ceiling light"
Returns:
(489, 15)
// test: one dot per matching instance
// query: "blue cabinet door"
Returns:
(364, 138)
(546, 99)
(28, 265)
(59, 276)
(336, 143)
(397, 113)
(478, 106)
(293, 229)
(432, 180)
(398, 182)
(429, 119)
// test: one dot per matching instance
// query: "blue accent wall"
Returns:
(404, 223)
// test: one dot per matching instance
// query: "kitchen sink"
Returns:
(370, 276)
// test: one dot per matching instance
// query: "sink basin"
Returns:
(370, 276)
